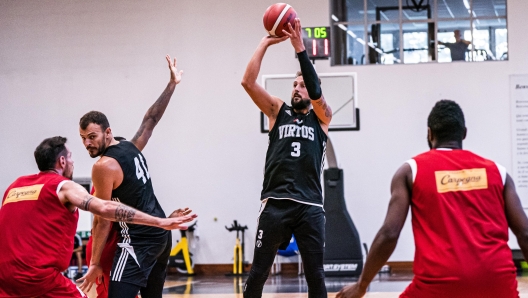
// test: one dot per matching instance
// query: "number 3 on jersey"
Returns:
(296, 149)
(141, 169)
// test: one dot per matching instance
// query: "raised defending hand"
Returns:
(172, 223)
(351, 291)
(295, 36)
(271, 40)
(95, 272)
(175, 74)
(180, 212)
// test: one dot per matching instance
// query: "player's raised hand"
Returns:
(175, 74)
(295, 36)
(172, 223)
(271, 40)
(180, 212)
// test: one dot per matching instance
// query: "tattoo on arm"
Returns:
(124, 213)
(328, 111)
(155, 112)
(85, 205)
(326, 108)
(138, 134)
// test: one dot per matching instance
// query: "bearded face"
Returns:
(299, 103)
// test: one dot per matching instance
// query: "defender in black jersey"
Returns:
(292, 201)
(121, 174)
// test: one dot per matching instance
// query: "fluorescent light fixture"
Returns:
(335, 18)
(351, 33)
(466, 4)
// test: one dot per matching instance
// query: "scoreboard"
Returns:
(317, 42)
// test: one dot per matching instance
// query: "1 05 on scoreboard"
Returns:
(317, 42)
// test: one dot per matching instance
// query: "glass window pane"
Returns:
(384, 43)
(501, 44)
(451, 9)
(416, 42)
(383, 10)
(485, 39)
(414, 11)
(489, 8)
(467, 30)
(348, 46)
(354, 11)
(453, 39)
(481, 46)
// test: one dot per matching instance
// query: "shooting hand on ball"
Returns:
(271, 40)
(295, 36)
(175, 74)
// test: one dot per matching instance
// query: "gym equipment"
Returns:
(180, 257)
(238, 254)
(343, 255)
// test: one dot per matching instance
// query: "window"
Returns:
(417, 31)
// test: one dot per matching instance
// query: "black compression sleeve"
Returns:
(310, 76)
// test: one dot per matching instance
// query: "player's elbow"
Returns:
(245, 83)
(102, 211)
(389, 233)
(315, 93)
(522, 237)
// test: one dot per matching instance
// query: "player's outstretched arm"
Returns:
(115, 211)
(387, 237)
(268, 104)
(311, 80)
(155, 112)
(517, 220)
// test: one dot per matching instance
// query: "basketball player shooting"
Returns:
(292, 201)
(121, 174)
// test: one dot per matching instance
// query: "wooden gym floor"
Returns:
(386, 285)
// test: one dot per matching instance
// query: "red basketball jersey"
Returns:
(36, 235)
(460, 227)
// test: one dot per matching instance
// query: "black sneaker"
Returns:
(77, 276)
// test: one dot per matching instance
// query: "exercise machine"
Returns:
(238, 253)
(180, 257)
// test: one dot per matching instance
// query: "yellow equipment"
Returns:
(238, 253)
(183, 246)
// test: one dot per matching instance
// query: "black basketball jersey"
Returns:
(295, 158)
(135, 191)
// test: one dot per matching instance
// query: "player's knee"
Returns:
(259, 273)
(314, 276)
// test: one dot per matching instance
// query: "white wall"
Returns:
(60, 59)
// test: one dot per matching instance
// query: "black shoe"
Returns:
(77, 276)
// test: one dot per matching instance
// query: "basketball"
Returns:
(277, 18)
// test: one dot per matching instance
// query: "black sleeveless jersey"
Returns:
(135, 191)
(295, 158)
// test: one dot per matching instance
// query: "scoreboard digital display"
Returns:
(317, 42)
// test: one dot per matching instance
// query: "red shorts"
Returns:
(64, 288)
(54, 285)
(107, 258)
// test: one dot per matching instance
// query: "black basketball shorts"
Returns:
(133, 262)
(280, 218)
